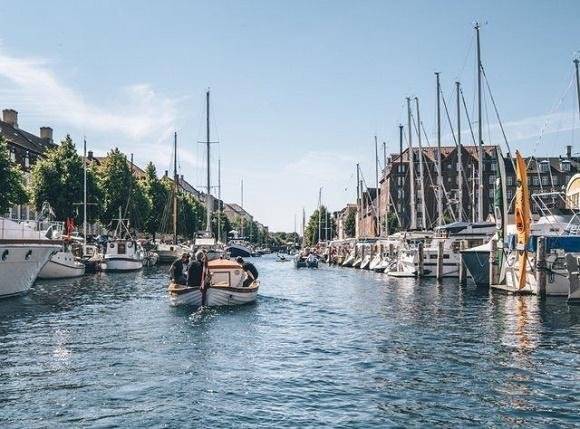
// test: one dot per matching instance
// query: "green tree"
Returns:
(158, 196)
(191, 215)
(226, 227)
(118, 187)
(12, 191)
(326, 221)
(350, 223)
(392, 222)
(59, 179)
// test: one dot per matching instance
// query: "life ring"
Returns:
(111, 245)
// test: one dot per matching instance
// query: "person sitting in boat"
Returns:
(195, 269)
(311, 258)
(249, 269)
(176, 269)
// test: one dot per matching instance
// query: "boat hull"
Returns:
(236, 250)
(121, 264)
(477, 265)
(19, 268)
(218, 296)
(180, 295)
(62, 265)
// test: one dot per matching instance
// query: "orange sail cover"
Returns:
(523, 217)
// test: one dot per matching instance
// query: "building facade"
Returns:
(25, 149)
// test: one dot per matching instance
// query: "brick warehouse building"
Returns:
(545, 174)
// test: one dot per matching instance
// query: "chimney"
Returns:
(46, 133)
(10, 116)
(166, 172)
(181, 178)
(569, 151)
(90, 155)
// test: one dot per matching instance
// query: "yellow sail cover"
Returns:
(523, 217)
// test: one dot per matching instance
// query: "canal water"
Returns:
(331, 347)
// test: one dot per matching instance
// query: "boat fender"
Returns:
(5, 254)
(130, 244)
(28, 255)
(111, 245)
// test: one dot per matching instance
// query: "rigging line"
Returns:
(448, 118)
(436, 170)
(498, 117)
(467, 54)
(468, 118)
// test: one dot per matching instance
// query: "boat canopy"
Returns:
(457, 227)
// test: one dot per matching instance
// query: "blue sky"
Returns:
(299, 88)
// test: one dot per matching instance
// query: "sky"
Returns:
(299, 89)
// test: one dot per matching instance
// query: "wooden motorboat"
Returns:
(224, 288)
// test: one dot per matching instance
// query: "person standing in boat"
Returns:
(176, 269)
(195, 269)
(249, 269)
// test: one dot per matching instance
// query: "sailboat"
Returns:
(169, 252)
(123, 252)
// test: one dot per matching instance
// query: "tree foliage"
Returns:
(350, 223)
(12, 190)
(392, 223)
(158, 197)
(226, 227)
(58, 178)
(326, 221)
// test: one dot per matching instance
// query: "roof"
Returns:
(24, 139)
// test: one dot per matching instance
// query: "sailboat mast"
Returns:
(479, 131)
(303, 225)
(576, 61)
(175, 188)
(319, 213)
(411, 166)
(378, 194)
(459, 156)
(85, 197)
(421, 169)
(358, 202)
(242, 204)
(399, 167)
(439, 172)
(219, 225)
(208, 143)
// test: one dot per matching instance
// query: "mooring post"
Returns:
(439, 260)
(541, 266)
(462, 270)
(421, 245)
(493, 280)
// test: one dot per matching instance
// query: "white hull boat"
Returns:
(122, 255)
(62, 265)
(23, 253)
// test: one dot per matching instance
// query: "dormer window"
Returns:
(565, 165)
(494, 166)
(545, 166)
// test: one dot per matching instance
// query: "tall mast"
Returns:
(577, 83)
(242, 204)
(208, 143)
(378, 208)
(479, 132)
(319, 213)
(439, 172)
(303, 225)
(459, 156)
(85, 197)
(421, 169)
(175, 187)
(219, 225)
(411, 166)
(358, 201)
(400, 169)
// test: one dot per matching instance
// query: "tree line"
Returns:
(58, 178)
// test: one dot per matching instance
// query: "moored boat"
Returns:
(23, 253)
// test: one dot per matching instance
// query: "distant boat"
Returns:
(239, 248)
(122, 253)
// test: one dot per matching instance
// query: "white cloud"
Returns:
(139, 112)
